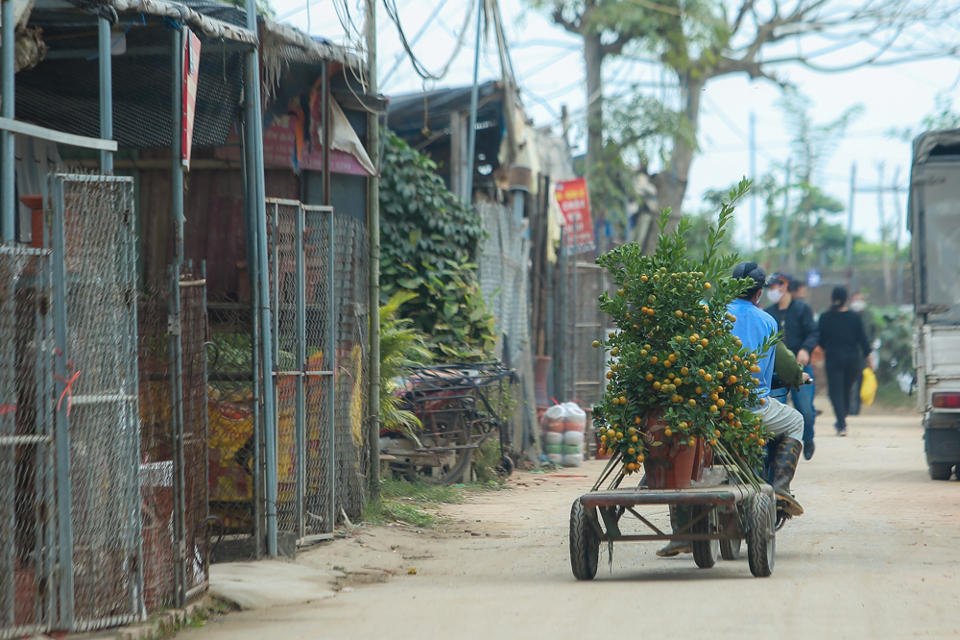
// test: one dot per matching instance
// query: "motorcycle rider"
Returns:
(753, 326)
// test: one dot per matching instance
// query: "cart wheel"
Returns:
(730, 549)
(940, 470)
(506, 466)
(584, 544)
(704, 551)
(761, 536)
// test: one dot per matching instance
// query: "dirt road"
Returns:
(876, 556)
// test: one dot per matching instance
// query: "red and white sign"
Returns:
(191, 78)
(574, 201)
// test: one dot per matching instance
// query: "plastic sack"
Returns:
(575, 418)
(573, 460)
(553, 418)
(868, 389)
(553, 437)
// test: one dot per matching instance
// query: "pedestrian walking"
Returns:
(800, 334)
(845, 346)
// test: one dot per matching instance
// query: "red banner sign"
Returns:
(574, 201)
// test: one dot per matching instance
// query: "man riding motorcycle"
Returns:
(753, 325)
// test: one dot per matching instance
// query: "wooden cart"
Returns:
(719, 518)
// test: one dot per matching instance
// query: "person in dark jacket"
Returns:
(845, 345)
(800, 334)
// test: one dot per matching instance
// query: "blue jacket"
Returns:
(753, 326)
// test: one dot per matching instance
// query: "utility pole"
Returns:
(472, 139)
(373, 227)
(899, 218)
(753, 178)
(884, 239)
(785, 221)
(849, 248)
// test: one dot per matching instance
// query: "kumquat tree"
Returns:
(674, 354)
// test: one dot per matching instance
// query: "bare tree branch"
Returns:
(573, 26)
(615, 47)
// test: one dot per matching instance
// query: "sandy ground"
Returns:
(874, 557)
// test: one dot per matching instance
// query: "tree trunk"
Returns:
(671, 183)
(593, 59)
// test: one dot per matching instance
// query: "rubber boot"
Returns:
(676, 547)
(786, 456)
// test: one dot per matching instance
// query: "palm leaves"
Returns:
(400, 347)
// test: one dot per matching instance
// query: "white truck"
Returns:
(934, 222)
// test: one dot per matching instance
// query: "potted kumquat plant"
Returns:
(681, 386)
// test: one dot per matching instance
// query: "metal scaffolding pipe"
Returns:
(106, 92)
(8, 195)
(253, 116)
(373, 229)
(176, 343)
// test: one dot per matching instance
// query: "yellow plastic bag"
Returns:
(868, 389)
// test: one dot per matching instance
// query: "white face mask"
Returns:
(774, 295)
(858, 305)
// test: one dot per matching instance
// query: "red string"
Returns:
(67, 391)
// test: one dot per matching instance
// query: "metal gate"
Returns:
(301, 297)
(27, 515)
(96, 415)
(581, 368)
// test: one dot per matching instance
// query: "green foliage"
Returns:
(408, 501)
(895, 332)
(400, 346)
(814, 236)
(675, 354)
(429, 244)
(486, 460)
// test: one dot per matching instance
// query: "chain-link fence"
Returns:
(352, 316)
(27, 531)
(234, 442)
(580, 369)
(505, 282)
(96, 369)
(301, 256)
(173, 462)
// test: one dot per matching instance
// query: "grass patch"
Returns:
(890, 395)
(402, 501)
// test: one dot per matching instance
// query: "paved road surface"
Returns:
(876, 556)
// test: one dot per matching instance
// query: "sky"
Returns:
(549, 66)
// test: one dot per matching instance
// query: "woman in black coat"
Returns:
(845, 345)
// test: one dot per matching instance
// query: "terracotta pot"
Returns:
(670, 465)
(703, 459)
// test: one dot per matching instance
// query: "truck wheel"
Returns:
(761, 536)
(584, 544)
(704, 551)
(940, 470)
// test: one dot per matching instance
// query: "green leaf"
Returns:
(415, 236)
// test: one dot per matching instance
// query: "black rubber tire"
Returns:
(584, 544)
(940, 470)
(704, 551)
(506, 466)
(730, 549)
(761, 536)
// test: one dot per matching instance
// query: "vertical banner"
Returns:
(191, 78)
(574, 202)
